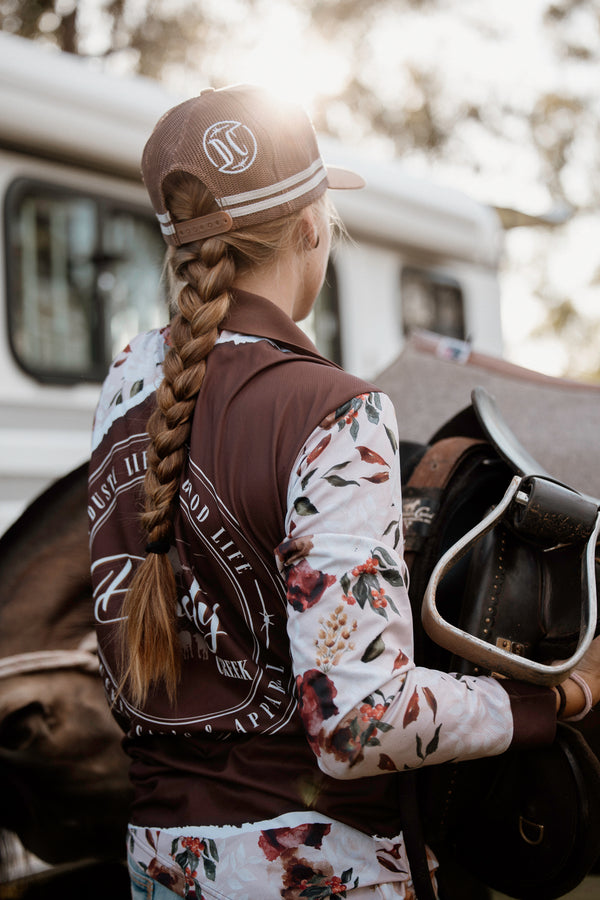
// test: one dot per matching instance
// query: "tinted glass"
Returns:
(432, 302)
(83, 277)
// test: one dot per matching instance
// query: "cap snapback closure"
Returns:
(202, 227)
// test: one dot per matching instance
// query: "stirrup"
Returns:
(520, 501)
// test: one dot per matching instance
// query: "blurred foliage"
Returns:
(152, 34)
(408, 101)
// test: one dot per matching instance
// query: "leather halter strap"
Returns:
(84, 657)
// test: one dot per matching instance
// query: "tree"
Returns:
(498, 99)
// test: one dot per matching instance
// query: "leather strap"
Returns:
(414, 840)
(423, 491)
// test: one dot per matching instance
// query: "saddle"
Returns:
(503, 565)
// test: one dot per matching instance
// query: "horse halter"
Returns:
(84, 657)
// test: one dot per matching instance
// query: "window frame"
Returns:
(436, 278)
(19, 188)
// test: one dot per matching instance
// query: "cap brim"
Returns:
(343, 179)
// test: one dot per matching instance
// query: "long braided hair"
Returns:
(201, 275)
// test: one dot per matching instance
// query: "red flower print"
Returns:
(431, 701)
(172, 878)
(370, 456)
(306, 586)
(314, 454)
(386, 763)
(194, 844)
(392, 858)
(367, 713)
(367, 568)
(190, 876)
(378, 478)
(315, 700)
(293, 550)
(276, 841)
(400, 661)
(379, 598)
(412, 710)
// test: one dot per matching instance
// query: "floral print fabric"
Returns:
(298, 856)
(365, 705)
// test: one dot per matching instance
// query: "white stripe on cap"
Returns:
(166, 229)
(278, 199)
(259, 193)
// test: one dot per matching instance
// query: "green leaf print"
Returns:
(419, 747)
(375, 649)
(384, 726)
(392, 576)
(382, 553)
(337, 481)
(342, 410)
(392, 439)
(372, 413)
(182, 859)
(304, 507)
(338, 467)
(307, 478)
(363, 587)
(212, 848)
(433, 743)
(210, 869)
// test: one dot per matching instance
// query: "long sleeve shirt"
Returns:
(299, 702)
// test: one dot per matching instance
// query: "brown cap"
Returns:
(256, 155)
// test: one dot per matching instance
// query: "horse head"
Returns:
(63, 774)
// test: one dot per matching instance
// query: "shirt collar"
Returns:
(255, 315)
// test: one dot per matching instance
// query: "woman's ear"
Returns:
(309, 230)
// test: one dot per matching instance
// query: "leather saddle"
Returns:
(522, 555)
(503, 575)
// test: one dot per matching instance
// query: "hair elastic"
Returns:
(589, 700)
(563, 700)
(161, 546)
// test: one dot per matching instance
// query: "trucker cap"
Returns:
(257, 156)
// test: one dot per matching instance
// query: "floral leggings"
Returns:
(318, 860)
(145, 888)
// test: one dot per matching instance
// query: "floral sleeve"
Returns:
(365, 706)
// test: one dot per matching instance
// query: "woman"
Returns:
(255, 633)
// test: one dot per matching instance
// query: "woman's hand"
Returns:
(589, 670)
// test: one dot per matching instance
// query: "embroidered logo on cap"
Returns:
(230, 146)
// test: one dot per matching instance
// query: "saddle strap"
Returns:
(414, 840)
(423, 492)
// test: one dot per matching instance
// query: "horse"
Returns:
(63, 773)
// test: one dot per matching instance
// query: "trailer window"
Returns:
(432, 301)
(83, 277)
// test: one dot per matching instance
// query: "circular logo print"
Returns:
(230, 146)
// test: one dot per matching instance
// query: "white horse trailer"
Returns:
(81, 258)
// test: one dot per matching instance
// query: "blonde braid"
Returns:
(150, 633)
(203, 304)
(204, 273)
